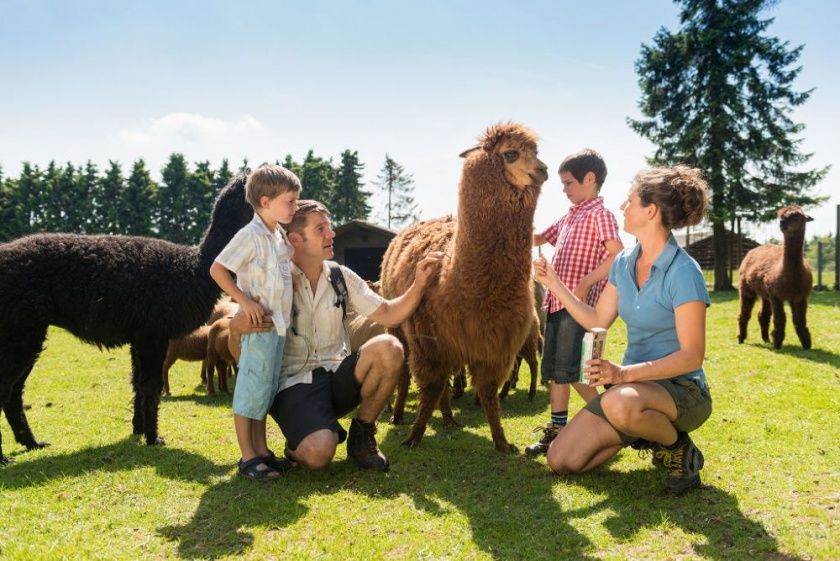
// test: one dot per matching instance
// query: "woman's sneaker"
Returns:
(683, 461)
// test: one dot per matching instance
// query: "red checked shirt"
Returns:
(578, 240)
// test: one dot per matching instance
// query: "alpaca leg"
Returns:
(764, 315)
(485, 381)
(147, 360)
(798, 311)
(17, 416)
(223, 376)
(167, 364)
(429, 398)
(16, 364)
(779, 319)
(402, 394)
(446, 408)
(212, 367)
(747, 303)
(531, 359)
(459, 383)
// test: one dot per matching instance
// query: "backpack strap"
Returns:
(340, 287)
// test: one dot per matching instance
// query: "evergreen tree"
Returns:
(27, 215)
(8, 208)
(75, 204)
(109, 214)
(221, 177)
(173, 202)
(50, 200)
(398, 186)
(201, 194)
(717, 94)
(317, 176)
(349, 201)
(88, 183)
(137, 203)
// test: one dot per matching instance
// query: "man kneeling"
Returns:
(321, 379)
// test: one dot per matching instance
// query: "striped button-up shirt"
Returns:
(261, 260)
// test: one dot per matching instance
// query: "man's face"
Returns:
(316, 237)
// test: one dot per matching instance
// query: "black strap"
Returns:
(340, 287)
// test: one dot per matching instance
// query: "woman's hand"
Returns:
(599, 372)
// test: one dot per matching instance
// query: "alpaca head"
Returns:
(792, 219)
(508, 149)
(230, 213)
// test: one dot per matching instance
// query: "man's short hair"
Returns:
(305, 208)
(581, 163)
(269, 180)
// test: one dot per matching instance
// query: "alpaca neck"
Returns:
(794, 245)
(214, 241)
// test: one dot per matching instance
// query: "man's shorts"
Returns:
(694, 405)
(259, 373)
(561, 350)
(303, 409)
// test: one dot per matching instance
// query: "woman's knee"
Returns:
(621, 408)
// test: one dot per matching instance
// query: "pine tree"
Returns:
(718, 94)
(109, 216)
(349, 201)
(8, 208)
(76, 203)
(317, 176)
(137, 203)
(200, 194)
(88, 183)
(50, 200)
(398, 186)
(173, 202)
(28, 216)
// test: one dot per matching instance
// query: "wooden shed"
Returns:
(361, 245)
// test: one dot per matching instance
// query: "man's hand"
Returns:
(241, 323)
(427, 268)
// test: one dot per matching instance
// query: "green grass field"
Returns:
(771, 486)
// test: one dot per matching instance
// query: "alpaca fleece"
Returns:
(479, 310)
(109, 291)
(777, 273)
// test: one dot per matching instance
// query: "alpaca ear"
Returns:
(808, 218)
(466, 152)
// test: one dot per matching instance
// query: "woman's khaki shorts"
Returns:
(694, 405)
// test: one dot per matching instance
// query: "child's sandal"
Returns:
(251, 470)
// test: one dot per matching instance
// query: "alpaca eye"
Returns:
(511, 156)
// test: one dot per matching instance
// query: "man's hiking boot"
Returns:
(362, 448)
(647, 448)
(683, 462)
(540, 447)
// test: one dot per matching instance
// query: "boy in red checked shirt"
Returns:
(585, 243)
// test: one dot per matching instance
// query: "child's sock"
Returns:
(559, 418)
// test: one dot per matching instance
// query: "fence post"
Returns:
(819, 266)
(837, 252)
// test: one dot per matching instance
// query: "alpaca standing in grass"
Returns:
(109, 291)
(479, 311)
(778, 273)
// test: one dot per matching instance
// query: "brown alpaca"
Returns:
(219, 360)
(530, 351)
(193, 346)
(778, 273)
(479, 310)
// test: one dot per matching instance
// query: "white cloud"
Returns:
(176, 129)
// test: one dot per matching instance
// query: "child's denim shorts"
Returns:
(258, 380)
(561, 350)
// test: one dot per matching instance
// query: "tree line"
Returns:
(85, 199)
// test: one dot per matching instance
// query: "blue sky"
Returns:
(418, 80)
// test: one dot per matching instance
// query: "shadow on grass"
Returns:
(124, 455)
(515, 507)
(796, 351)
(217, 400)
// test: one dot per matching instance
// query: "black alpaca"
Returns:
(109, 291)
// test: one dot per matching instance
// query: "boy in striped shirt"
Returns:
(585, 243)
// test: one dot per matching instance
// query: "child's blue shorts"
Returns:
(258, 380)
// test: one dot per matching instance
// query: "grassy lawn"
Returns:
(771, 487)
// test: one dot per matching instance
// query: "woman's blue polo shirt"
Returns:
(675, 278)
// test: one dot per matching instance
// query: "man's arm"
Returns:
(393, 312)
(240, 324)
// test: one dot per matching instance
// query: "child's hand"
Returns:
(253, 311)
